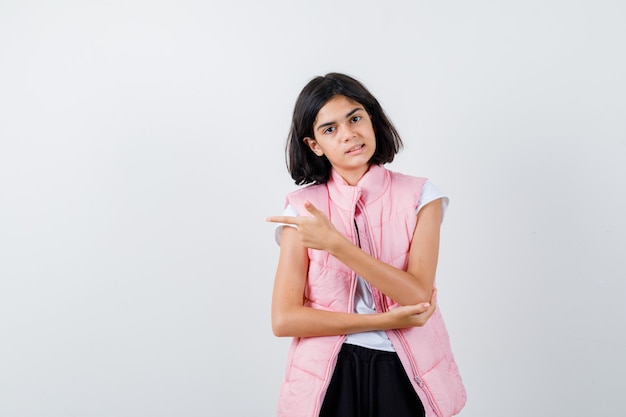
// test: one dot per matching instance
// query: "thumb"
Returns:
(425, 306)
(311, 208)
(419, 308)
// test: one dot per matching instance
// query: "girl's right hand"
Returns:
(412, 315)
(315, 231)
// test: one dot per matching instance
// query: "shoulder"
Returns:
(430, 192)
(310, 189)
(408, 183)
(425, 190)
(406, 178)
(316, 193)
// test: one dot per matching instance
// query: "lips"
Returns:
(355, 148)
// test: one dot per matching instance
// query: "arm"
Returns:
(406, 287)
(291, 318)
(413, 286)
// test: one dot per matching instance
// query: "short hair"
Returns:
(305, 166)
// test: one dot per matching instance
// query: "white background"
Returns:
(141, 148)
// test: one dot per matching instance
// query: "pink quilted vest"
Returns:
(388, 201)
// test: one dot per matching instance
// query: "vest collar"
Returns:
(369, 188)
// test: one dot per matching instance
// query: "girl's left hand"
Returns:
(413, 315)
(316, 231)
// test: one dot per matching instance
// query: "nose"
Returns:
(347, 133)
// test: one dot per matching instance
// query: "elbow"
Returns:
(279, 331)
(419, 295)
(280, 325)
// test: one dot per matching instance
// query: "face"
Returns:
(343, 132)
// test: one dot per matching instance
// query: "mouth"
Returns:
(355, 148)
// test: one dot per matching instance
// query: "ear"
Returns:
(315, 147)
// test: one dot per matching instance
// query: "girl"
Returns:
(354, 285)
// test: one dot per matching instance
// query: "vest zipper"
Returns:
(376, 294)
(416, 375)
(381, 306)
(353, 277)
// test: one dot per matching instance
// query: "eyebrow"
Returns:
(350, 113)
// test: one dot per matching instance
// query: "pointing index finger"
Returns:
(283, 219)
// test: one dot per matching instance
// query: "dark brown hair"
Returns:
(304, 166)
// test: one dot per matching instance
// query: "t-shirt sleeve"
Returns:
(430, 193)
(291, 212)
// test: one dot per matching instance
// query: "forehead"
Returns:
(336, 107)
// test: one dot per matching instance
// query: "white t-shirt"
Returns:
(363, 300)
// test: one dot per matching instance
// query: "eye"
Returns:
(355, 119)
(329, 130)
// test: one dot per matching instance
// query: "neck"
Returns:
(352, 177)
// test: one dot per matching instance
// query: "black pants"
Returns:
(370, 383)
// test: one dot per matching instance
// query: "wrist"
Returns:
(380, 321)
(336, 242)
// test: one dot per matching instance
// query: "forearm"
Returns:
(301, 321)
(402, 286)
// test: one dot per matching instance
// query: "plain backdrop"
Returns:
(142, 147)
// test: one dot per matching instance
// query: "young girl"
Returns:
(354, 285)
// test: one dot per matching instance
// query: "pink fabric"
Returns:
(388, 201)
